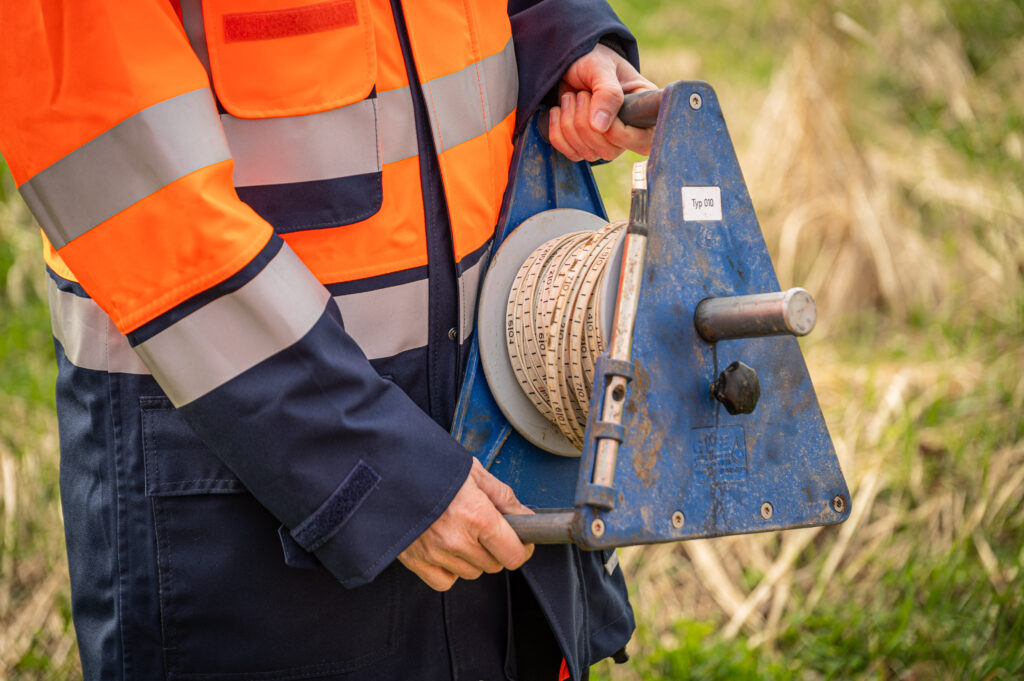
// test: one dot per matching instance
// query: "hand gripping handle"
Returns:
(639, 109)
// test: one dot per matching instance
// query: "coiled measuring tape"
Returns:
(554, 318)
(546, 307)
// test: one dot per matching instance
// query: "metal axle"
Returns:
(789, 312)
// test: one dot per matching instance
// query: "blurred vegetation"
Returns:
(883, 146)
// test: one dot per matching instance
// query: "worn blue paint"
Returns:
(681, 450)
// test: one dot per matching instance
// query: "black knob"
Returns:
(737, 388)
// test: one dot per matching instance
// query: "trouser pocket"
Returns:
(230, 606)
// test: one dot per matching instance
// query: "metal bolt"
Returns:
(678, 520)
(453, 333)
(838, 503)
(695, 101)
(737, 388)
(767, 510)
(597, 527)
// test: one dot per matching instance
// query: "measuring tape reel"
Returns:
(661, 344)
(545, 314)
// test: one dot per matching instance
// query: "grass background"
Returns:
(883, 145)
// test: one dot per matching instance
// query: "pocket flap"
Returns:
(272, 58)
(177, 461)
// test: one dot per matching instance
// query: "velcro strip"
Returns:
(285, 23)
(324, 523)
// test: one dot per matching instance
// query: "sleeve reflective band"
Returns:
(124, 165)
(237, 331)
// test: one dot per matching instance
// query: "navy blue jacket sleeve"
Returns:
(550, 35)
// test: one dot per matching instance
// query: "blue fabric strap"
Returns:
(319, 527)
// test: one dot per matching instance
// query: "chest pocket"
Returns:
(296, 83)
(271, 58)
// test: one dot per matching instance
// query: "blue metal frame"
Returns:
(681, 451)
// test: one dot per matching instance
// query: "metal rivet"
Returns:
(597, 527)
(678, 520)
(838, 503)
(695, 101)
(767, 510)
(453, 333)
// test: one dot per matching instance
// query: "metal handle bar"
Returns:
(543, 527)
(639, 109)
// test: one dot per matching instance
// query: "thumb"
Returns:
(606, 97)
(500, 494)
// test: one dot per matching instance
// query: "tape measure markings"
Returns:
(553, 324)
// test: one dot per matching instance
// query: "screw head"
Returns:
(838, 503)
(696, 101)
(767, 510)
(597, 527)
(678, 520)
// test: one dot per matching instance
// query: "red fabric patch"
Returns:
(563, 673)
(284, 23)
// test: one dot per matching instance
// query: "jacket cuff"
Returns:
(355, 553)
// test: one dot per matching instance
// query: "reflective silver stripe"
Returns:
(237, 331)
(500, 76)
(397, 124)
(466, 104)
(389, 320)
(127, 163)
(336, 143)
(90, 340)
(192, 18)
(360, 137)
(469, 286)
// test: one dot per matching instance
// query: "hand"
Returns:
(585, 125)
(470, 537)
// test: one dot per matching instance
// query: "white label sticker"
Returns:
(702, 204)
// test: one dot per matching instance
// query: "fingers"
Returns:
(627, 137)
(570, 130)
(435, 577)
(585, 125)
(607, 95)
(471, 536)
(556, 137)
(504, 544)
(500, 494)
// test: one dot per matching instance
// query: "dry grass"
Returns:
(35, 638)
(896, 226)
(851, 214)
(911, 240)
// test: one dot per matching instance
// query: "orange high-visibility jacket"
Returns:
(234, 225)
(138, 130)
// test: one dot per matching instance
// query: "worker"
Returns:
(264, 227)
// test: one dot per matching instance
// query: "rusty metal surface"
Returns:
(686, 467)
(682, 450)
